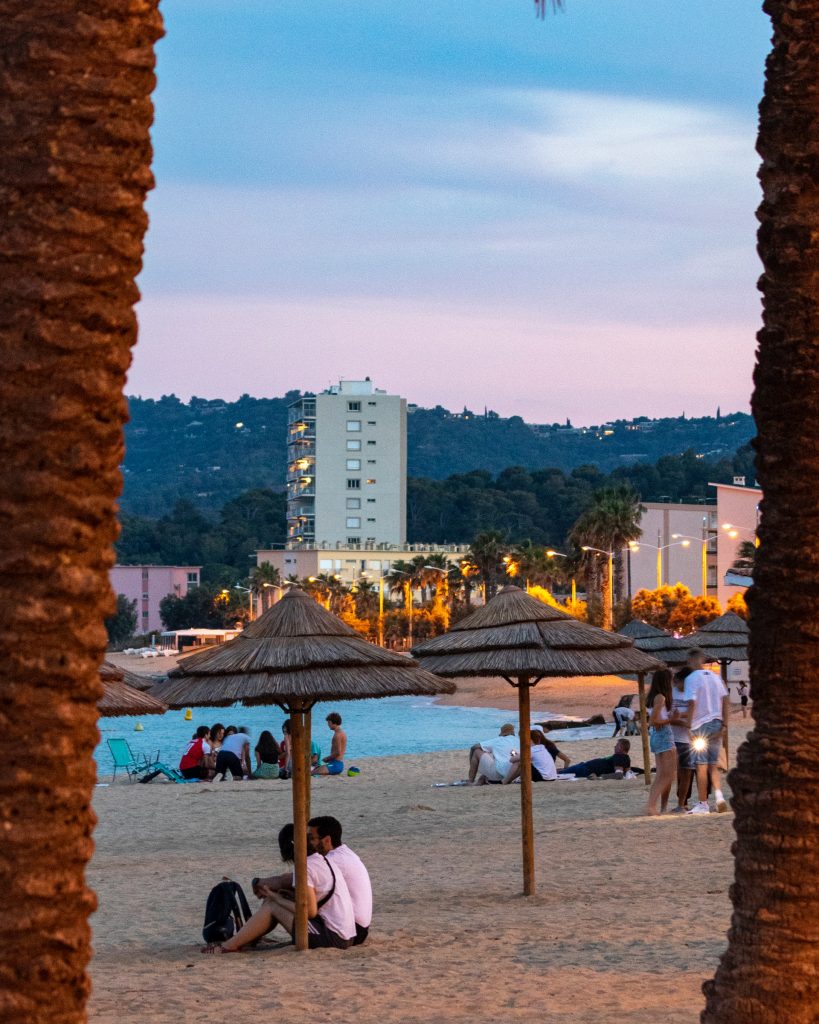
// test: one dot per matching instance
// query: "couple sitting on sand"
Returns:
(339, 894)
(498, 760)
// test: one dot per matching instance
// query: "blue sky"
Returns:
(469, 205)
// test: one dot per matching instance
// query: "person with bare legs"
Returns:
(682, 707)
(707, 731)
(489, 761)
(330, 914)
(661, 741)
(333, 764)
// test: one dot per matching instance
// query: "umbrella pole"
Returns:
(308, 756)
(526, 819)
(723, 667)
(300, 797)
(641, 686)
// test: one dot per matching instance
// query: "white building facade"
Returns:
(347, 468)
(678, 545)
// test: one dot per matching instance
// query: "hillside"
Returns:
(210, 451)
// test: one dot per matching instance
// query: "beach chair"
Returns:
(124, 757)
(171, 774)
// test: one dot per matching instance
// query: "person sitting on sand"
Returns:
(334, 762)
(489, 761)
(351, 867)
(267, 757)
(330, 914)
(192, 765)
(285, 759)
(234, 757)
(557, 754)
(617, 764)
(543, 765)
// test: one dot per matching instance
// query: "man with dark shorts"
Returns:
(616, 764)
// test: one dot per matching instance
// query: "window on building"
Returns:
(371, 442)
(353, 522)
(354, 503)
(370, 501)
(144, 596)
(353, 426)
(325, 564)
(353, 484)
(370, 423)
(712, 575)
(353, 463)
(145, 574)
(353, 445)
(354, 541)
(193, 577)
(370, 462)
(372, 403)
(371, 520)
(371, 480)
(145, 614)
(354, 407)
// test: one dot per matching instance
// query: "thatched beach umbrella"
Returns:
(294, 655)
(724, 640)
(119, 698)
(523, 640)
(656, 642)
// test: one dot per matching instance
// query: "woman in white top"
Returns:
(543, 765)
(661, 741)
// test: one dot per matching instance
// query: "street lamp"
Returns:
(610, 556)
(734, 531)
(635, 546)
(551, 553)
(703, 541)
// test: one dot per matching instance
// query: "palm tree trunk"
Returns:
(769, 972)
(75, 154)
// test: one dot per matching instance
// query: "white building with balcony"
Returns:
(347, 468)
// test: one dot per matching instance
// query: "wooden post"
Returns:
(641, 686)
(300, 783)
(723, 667)
(526, 818)
(308, 738)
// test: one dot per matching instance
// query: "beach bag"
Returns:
(225, 911)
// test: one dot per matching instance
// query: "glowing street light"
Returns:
(659, 548)
(610, 555)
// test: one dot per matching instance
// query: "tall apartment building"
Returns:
(347, 468)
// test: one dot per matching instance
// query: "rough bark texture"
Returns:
(770, 972)
(75, 111)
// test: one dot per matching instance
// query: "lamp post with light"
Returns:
(703, 541)
(634, 547)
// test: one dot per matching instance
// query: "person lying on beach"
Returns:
(616, 764)
(543, 765)
(330, 914)
(489, 761)
(334, 763)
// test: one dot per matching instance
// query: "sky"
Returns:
(471, 206)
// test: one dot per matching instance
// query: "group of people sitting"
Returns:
(216, 752)
(339, 894)
(497, 760)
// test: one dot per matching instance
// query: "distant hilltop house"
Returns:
(149, 584)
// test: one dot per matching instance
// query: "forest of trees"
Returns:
(210, 451)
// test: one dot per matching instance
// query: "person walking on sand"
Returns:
(743, 698)
(707, 731)
(661, 741)
(682, 707)
(333, 764)
(489, 761)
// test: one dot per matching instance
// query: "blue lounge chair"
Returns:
(124, 757)
(171, 774)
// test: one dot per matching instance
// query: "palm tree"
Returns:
(486, 558)
(768, 972)
(608, 524)
(74, 172)
(746, 556)
(265, 580)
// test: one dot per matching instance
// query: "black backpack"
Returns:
(225, 912)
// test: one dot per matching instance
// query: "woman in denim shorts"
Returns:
(661, 741)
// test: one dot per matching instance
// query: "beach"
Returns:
(629, 919)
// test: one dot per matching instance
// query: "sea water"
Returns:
(375, 728)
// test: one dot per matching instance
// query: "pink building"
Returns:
(148, 584)
(737, 516)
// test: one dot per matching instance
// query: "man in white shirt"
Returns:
(623, 719)
(708, 717)
(234, 754)
(324, 834)
(490, 760)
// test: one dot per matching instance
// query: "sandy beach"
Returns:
(629, 920)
